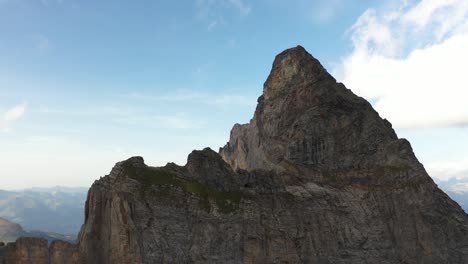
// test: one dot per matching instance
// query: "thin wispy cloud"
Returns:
(11, 116)
(208, 7)
(91, 111)
(42, 2)
(218, 100)
(40, 42)
(242, 6)
(231, 43)
(213, 24)
(326, 10)
(216, 11)
(460, 188)
(49, 2)
(176, 121)
(129, 115)
(411, 62)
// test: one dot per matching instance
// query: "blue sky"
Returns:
(84, 84)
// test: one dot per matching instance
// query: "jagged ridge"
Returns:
(315, 177)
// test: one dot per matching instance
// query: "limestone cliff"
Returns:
(29, 250)
(306, 119)
(315, 177)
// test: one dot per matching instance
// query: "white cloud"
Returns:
(411, 62)
(12, 115)
(449, 170)
(451, 176)
(461, 187)
(445, 16)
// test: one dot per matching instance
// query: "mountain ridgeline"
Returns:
(316, 176)
(57, 209)
(10, 231)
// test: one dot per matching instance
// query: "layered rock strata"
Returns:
(317, 176)
(28, 250)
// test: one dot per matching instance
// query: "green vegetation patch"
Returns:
(225, 201)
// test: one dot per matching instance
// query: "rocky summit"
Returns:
(317, 176)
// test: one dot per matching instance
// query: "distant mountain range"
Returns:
(57, 210)
(10, 231)
(461, 198)
(457, 190)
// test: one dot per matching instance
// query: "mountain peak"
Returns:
(290, 67)
(321, 179)
(306, 118)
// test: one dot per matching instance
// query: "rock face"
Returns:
(140, 214)
(28, 250)
(305, 118)
(315, 177)
(61, 252)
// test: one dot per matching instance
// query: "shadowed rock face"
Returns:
(315, 177)
(61, 252)
(28, 250)
(307, 119)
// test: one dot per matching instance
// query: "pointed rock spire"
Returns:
(306, 118)
(290, 67)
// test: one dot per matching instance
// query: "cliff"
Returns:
(315, 177)
(28, 250)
